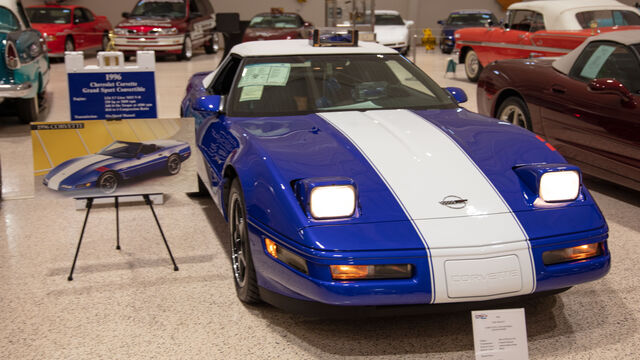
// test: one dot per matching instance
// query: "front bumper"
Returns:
(318, 286)
(15, 90)
(156, 43)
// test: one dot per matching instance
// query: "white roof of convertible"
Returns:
(626, 37)
(302, 47)
(561, 14)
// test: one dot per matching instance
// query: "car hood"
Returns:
(391, 33)
(468, 146)
(51, 29)
(270, 34)
(77, 169)
(146, 24)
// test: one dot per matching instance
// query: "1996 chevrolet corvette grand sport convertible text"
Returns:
(349, 177)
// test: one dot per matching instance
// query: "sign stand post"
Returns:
(89, 204)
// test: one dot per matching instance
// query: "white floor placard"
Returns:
(500, 334)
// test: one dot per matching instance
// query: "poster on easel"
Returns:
(99, 157)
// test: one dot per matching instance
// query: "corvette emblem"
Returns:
(454, 202)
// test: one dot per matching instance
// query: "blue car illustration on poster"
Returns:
(349, 177)
(118, 162)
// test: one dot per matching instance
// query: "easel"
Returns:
(89, 204)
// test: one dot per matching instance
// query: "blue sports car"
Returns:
(349, 177)
(461, 19)
(117, 162)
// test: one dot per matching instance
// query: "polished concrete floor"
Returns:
(130, 304)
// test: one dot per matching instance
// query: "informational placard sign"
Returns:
(500, 334)
(111, 90)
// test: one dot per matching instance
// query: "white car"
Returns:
(392, 31)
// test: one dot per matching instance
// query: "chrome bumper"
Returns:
(15, 91)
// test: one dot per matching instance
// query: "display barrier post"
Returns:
(111, 89)
(89, 204)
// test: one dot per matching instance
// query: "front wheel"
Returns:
(105, 42)
(69, 45)
(212, 46)
(108, 182)
(173, 164)
(472, 66)
(513, 110)
(187, 49)
(241, 262)
(28, 109)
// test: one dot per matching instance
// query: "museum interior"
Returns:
(320, 179)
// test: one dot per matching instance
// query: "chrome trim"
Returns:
(15, 91)
(515, 46)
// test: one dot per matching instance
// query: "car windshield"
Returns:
(160, 8)
(121, 149)
(388, 19)
(607, 18)
(275, 21)
(291, 85)
(49, 15)
(8, 21)
(470, 19)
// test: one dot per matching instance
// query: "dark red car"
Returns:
(277, 26)
(69, 28)
(586, 103)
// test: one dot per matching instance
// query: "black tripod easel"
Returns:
(89, 204)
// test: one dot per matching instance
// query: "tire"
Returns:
(244, 275)
(108, 182)
(212, 46)
(173, 164)
(514, 111)
(406, 51)
(472, 66)
(69, 45)
(28, 109)
(443, 48)
(105, 42)
(187, 49)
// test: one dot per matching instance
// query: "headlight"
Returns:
(49, 37)
(165, 31)
(559, 186)
(327, 198)
(332, 201)
(119, 31)
(549, 183)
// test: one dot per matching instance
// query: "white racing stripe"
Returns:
(54, 182)
(421, 165)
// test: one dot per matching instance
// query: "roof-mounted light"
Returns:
(334, 37)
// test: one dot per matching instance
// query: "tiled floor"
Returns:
(130, 304)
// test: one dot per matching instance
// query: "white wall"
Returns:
(425, 13)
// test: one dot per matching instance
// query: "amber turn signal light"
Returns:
(360, 272)
(572, 254)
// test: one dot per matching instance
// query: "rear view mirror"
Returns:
(211, 103)
(613, 86)
(458, 94)
(440, 22)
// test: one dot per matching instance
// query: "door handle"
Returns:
(557, 89)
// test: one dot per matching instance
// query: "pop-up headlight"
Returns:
(559, 186)
(551, 182)
(327, 198)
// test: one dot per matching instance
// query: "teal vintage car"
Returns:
(24, 68)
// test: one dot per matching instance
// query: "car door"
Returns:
(600, 130)
(79, 29)
(514, 40)
(201, 21)
(212, 128)
(93, 35)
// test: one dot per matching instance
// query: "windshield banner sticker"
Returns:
(265, 74)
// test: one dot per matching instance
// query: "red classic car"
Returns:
(586, 103)
(168, 26)
(541, 28)
(69, 28)
(277, 26)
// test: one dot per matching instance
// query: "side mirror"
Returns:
(440, 22)
(409, 22)
(458, 94)
(615, 87)
(126, 15)
(211, 103)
